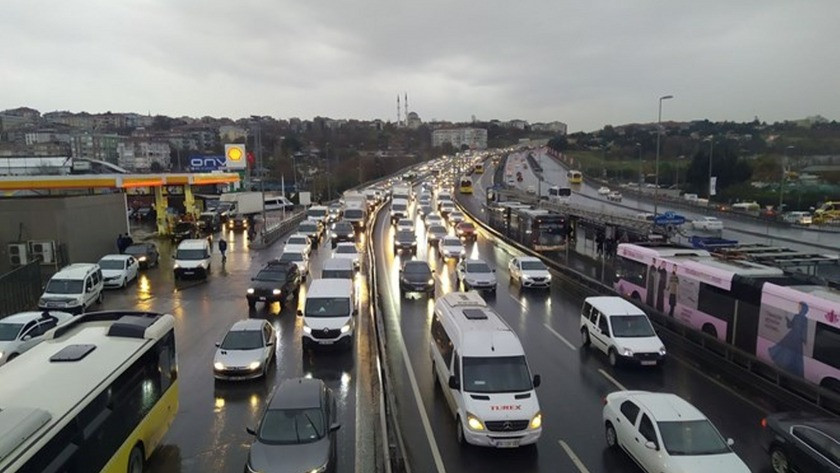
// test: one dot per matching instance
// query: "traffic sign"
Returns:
(669, 218)
(235, 156)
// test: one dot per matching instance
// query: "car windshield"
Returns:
(292, 426)
(64, 286)
(337, 274)
(478, 268)
(405, 222)
(631, 326)
(498, 374)
(291, 257)
(437, 229)
(354, 213)
(112, 264)
(345, 249)
(398, 206)
(8, 332)
(296, 241)
(417, 268)
(268, 275)
(308, 228)
(448, 241)
(316, 212)
(207, 218)
(134, 250)
(243, 340)
(343, 228)
(466, 226)
(405, 236)
(695, 437)
(190, 254)
(457, 215)
(533, 265)
(327, 306)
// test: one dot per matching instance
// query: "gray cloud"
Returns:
(587, 63)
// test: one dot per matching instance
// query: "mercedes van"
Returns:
(192, 258)
(73, 289)
(483, 372)
(329, 313)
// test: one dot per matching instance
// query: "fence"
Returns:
(20, 288)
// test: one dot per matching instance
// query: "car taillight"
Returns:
(764, 423)
(604, 399)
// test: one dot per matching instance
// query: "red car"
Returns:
(465, 231)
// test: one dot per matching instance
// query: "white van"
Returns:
(481, 367)
(329, 313)
(278, 203)
(318, 213)
(338, 268)
(73, 289)
(621, 330)
(192, 258)
(399, 210)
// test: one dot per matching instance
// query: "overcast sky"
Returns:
(587, 63)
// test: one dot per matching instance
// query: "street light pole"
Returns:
(782, 180)
(711, 151)
(641, 170)
(658, 139)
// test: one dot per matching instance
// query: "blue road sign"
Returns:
(669, 218)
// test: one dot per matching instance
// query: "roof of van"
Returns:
(75, 271)
(611, 305)
(481, 331)
(193, 244)
(330, 288)
(338, 263)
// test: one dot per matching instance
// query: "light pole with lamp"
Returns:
(641, 170)
(658, 139)
(782, 180)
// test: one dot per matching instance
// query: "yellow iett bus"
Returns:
(466, 185)
(479, 168)
(97, 395)
(575, 177)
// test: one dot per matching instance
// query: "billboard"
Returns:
(205, 163)
(235, 157)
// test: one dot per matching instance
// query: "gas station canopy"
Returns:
(113, 181)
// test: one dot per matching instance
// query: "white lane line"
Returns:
(579, 464)
(561, 337)
(762, 409)
(612, 380)
(518, 301)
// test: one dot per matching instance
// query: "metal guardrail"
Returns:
(790, 390)
(20, 288)
(265, 239)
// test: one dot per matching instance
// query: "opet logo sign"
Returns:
(200, 163)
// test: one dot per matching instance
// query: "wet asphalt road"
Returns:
(575, 380)
(208, 434)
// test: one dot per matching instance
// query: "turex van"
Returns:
(481, 368)
(73, 289)
(328, 313)
(192, 258)
(621, 330)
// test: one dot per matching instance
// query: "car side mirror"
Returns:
(453, 383)
(250, 430)
(300, 313)
(335, 427)
(730, 442)
(218, 344)
(27, 337)
(537, 380)
(650, 445)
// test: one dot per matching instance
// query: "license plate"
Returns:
(507, 443)
(325, 342)
(53, 304)
(189, 272)
(648, 363)
(262, 298)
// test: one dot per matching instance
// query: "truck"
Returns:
(245, 203)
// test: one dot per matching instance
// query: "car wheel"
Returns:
(136, 460)
(584, 335)
(611, 436)
(124, 283)
(100, 297)
(459, 431)
(15, 355)
(779, 461)
(252, 305)
(613, 357)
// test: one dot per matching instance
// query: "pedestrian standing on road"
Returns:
(222, 248)
(122, 243)
(599, 243)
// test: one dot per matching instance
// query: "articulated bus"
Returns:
(97, 395)
(538, 229)
(788, 322)
(465, 185)
(574, 177)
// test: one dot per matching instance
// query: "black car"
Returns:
(342, 231)
(146, 254)
(405, 240)
(313, 230)
(416, 276)
(802, 443)
(184, 231)
(209, 222)
(238, 223)
(276, 282)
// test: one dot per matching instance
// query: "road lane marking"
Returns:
(579, 464)
(518, 301)
(561, 337)
(762, 409)
(612, 380)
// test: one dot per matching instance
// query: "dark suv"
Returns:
(342, 231)
(277, 281)
(416, 276)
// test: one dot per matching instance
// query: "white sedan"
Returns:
(604, 190)
(299, 242)
(118, 270)
(451, 247)
(348, 251)
(663, 433)
(708, 224)
(614, 196)
(246, 351)
(300, 259)
(22, 331)
(405, 224)
(529, 271)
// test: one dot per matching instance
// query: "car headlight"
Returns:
(306, 329)
(463, 251)
(177, 266)
(141, 259)
(254, 365)
(626, 352)
(431, 281)
(1, 355)
(474, 423)
(334, 235)
(219, 365)
(320, 469)
(276, 292)
(548, 277)
(662, 351)
(42, 302)
(250, 290)
(345, 328)
(536, 422)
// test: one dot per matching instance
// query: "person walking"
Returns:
(223, 248)
(599, 243)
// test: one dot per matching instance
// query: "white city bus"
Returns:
(97, 395)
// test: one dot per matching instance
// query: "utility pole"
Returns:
(782, 180)
(258, 146)
(658, 139)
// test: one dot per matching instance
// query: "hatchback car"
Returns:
(118, 270)
(614, 196)
(416, 276)
(22, 331)
(246, 351)
(529, 271)
(663, 433)
(451, 247)
(299, 242)
(802, 443)
(348, 251)
(707, 224)
(405, 240)
(147, 254)
(297, 432)
(476, 274)
(342, 232)
(277, 281)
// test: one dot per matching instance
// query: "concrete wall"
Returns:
(87, 226)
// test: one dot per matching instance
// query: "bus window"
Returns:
(633, 272)
(716, 302)
(827, 345)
